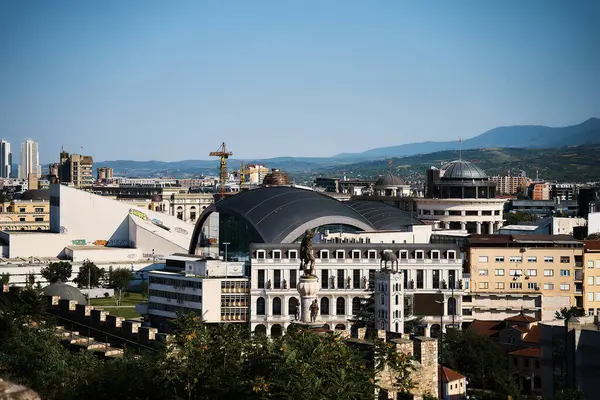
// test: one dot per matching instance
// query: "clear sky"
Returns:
(171, 80)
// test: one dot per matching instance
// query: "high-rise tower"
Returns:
(30, 159)
(5, 159)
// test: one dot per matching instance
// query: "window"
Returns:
(452, 255)
(261, 278)
(260, 254)
(276, 279)
(548, 286)
(515, 259)
(436, 278)
(590, 297)
(565, 259)
(548, 259)
(404, 254)
(356, 254)
(483, 272)
(532, 285)
(516, 272)
(293, 278)
(435, 254)
(565, 286)
(419, 279)
(590, 281)
(590, 311)
(339, 254)
(276, 306)
(565, 272)
(531, 259)
(324, 254)
(483, 259)
(419, 254)
(22, 209)
(39, 209)
(372, 254)
(340, 306)
(598, 280)
(340, 279)
(483, 285)
(532, 272)
(277, 254)
(590, 263)
(597, 296)
(324, 279)
(293, 254)
(356, 279)
(499, 285)
(499, 258)
(548, 272)
(324, 306)
(260, 306)
(516, 285)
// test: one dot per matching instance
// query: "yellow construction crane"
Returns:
(224, 155)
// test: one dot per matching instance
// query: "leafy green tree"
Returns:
(61, 270)
(570, 394)
(89, 274)
(365, 314)
(29, 280)
(514, 218)
(566, 313)
(119, 280)
(410, 323)
(144, 289)
(480, 360)
(4, 278)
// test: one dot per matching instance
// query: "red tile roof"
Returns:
(520, 318)
(593, 245)
(534, 352)
(485, 328)
(449, 375)
(533, 336)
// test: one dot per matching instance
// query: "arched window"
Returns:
(340, 306)
(260, 306)
(276, 306)
(397, 327)
(451, 306)
(382, 299)
(324, 306)
(292, 306)
(260, 329)
(355, 305)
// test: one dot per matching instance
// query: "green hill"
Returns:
(575, 163)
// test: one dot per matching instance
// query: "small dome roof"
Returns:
(463, 170)
(64, 291)
(390, 180)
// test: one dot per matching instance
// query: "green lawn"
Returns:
(127, 309)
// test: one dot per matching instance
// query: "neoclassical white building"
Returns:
(461, 196)
(346, 274)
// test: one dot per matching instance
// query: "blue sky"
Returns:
(144, 79)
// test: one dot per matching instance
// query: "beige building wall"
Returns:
(524, 274)
(591, 286)
(25, 215)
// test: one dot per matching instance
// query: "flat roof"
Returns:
(97, 248)
(504, 239)
(520, 227)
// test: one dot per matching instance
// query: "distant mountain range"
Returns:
(523, 137)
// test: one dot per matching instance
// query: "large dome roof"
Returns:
(64, 291)
(463, 170)
(390, 180)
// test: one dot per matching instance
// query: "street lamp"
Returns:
(441, 351)
(226, 244)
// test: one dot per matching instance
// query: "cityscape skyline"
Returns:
(298, 77)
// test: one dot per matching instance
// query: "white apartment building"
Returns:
(346, 273)
(5, 159)
(215, 290)
(30, 160)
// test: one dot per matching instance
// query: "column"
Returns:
(490, 227)
(446, 225)
(478, 227)
(463, 226)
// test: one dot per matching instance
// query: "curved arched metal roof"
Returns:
(64, 291)
(383, 216)
(282, 214)
(461, 169)
(390, 180)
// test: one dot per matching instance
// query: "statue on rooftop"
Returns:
(307, 259)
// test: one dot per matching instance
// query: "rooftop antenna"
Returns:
(460, 149)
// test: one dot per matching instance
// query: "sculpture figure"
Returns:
(269, 284)
(364, 282)
(307, 259)
(332, 282)
(314, 310)
(284, 284)
(348, 282)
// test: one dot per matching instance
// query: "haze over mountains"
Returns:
(525, 136)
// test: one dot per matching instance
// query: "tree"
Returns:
(514, 218)
(57, 271)
(410, 323)
(29, 280)
(4, 278)
(365, 315)
(119, 280)
(570, 394)
(144, 289)
(89, 274)
(566, 313)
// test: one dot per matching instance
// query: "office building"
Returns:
(5, 159)
(536, 274)
(30, 160)
(104, 173)
(76, 170)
